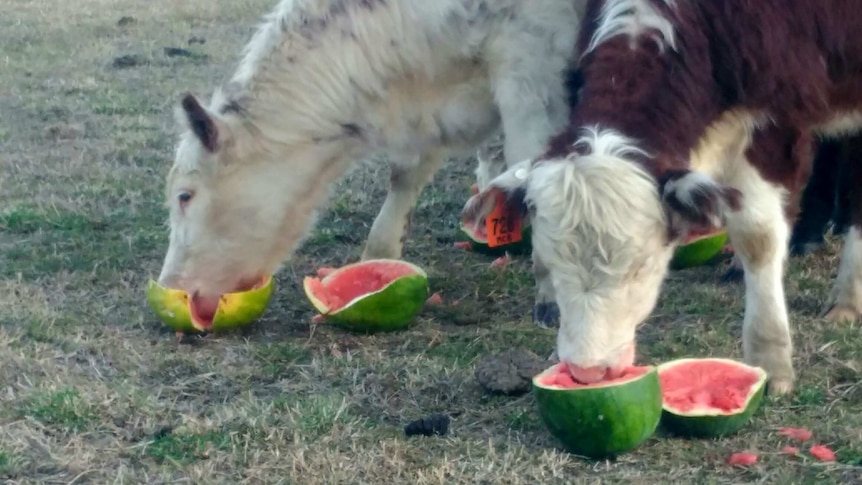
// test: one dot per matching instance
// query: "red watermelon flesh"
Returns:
(714, 385)
(562, 378)
(694, 235)
(478, 232)
(343, 286)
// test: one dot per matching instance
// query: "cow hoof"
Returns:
(805, 248)
(840, 228)
(780, 387)
(840, 314)
(546, 315)
(733, 275)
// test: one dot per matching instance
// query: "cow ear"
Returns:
(696, 202)
(206, 126)
(510, 186)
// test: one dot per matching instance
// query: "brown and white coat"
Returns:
(692, 115)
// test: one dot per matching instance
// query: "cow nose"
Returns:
(598, 373)
(169, 281)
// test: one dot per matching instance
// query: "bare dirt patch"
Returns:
(94, 390)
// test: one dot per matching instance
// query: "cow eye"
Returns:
(184, 197)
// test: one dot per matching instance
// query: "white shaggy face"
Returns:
(236, 212)
(599, 225)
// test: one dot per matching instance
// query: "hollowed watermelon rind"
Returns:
(235, 310)
(698, 425)
(391, 308)
(603, 421)
(171, 307)
(699, 252)
(240, 309)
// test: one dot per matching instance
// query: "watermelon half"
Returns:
(174, 307)
(602, 419)
(709, 397)
(698, 249)
(370, 296)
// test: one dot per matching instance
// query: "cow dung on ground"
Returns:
(509, 372)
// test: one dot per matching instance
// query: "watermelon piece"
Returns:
(602, 419)
(709, 397)
(435, 300)
(175, 308)
(699, 248)
(822, 453)
(799, 434)
(369, 296)
(743, 458)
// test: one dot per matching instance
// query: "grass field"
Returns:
(94, 390)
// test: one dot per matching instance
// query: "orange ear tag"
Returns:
(503, 224)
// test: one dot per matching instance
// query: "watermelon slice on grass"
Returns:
(369, 296)
(602, 419)
(709, 398)
(699, 249)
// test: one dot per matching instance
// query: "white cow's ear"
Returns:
(512, 184)
(207, 126)
(695, 201)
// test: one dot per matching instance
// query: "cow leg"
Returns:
(814, 202)
(546, 313)
(846, 192)
(760, 232)
(818, 201)
(390, 228)
(735, 272)
(491, 164)
(533, 102)
(845, 300)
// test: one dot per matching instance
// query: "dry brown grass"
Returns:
(94, 390)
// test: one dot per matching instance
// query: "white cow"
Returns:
(326, 83)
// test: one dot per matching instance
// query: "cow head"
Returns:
(239, 202)
(606, 229)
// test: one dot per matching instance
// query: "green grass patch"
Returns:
(63, 409)
(277, 360)
(808, 396)
(29, 220)
(185, 448)
(317, 415)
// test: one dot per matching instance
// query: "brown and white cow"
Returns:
(685, 119)
(326, 83)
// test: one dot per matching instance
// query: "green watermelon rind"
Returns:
(388, 309)
(173, 312)
(250, 306)
(524, 246)
(699, 251)
(699, 425)
(600, 422)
